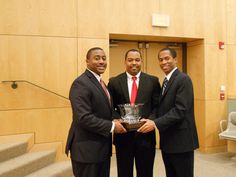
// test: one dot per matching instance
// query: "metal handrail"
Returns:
(14, 86)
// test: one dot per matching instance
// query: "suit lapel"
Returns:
(141, 88)
(97, 84)
(124, 87)
(170, 82)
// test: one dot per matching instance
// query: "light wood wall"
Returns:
(45, 42)
(38, 43)
(195, 69)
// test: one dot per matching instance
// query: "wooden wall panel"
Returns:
(231, 22)
(215, 111)
(231, 71)
(231, 146)
(200, 118)
(12, 58)
(186, 17)
(214, 21)
(47, 61)
(127, 17)
(93, 18)
(134, 17)
(49, 125)
(4, 70)
(215, 71)
(195, 67)
(26, 96)
(38, 17)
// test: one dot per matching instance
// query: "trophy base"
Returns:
(132, 127)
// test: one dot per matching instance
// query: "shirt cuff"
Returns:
(113, 126)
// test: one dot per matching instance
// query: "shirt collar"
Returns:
(98, 77)
(130, 76)
(170, 74)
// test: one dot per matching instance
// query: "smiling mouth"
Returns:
(164, 67)
(101, 67)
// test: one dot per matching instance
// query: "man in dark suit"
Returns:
(133, 145)
(175, 119)
(89, 139)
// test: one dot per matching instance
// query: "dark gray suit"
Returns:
(134, 145)
(176, 124)
(89, 139)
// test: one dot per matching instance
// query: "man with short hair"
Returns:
(175, 119)
(134, 87)
(89, 139)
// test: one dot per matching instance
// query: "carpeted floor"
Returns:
(206, 165)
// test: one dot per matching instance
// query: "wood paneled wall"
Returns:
(45, 42)
(39, 17)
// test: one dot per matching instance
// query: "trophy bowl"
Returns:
(131, 114)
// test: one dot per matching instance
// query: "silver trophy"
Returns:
(131, 115)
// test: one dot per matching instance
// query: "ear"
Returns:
(176, 59)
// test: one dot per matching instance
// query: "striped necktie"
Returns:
(105, 90)
(164, 85)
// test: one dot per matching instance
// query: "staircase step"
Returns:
(14, 145)
(18, 138)
(27, 163)
(59, 169)
(56, 146)
(11, 150)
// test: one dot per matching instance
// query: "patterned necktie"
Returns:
(164, 85)
(133, 91)
(105, 90)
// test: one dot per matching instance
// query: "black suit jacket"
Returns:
(148, 94)
(175, 120)
(89, 139)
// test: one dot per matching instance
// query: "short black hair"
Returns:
(132, 50)
(91, 50)
(171, 50)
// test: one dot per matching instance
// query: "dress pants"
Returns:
(178, 164)
(91, 169)
(143, 156)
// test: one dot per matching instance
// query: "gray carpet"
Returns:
(206, 165)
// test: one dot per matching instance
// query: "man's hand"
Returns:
(118, 126)
(147, 127)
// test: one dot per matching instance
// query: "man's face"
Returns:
(133, 63)
(166, 61)
(97, 61)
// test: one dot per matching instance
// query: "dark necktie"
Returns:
(164, 85)
(133, 91)
(105, 90)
